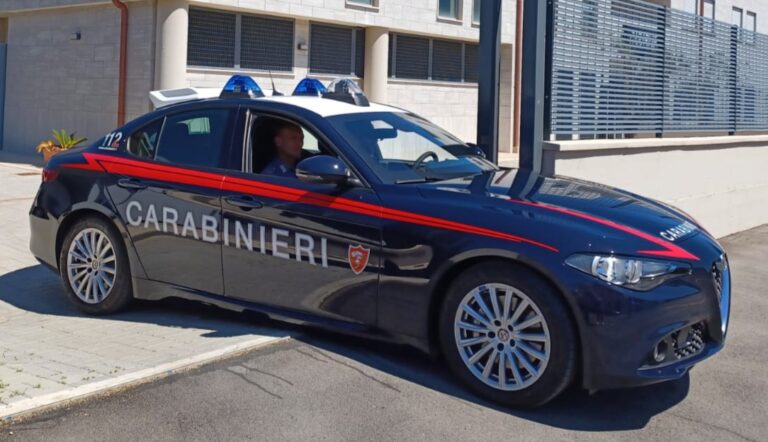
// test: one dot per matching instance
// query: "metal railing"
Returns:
(630, 67)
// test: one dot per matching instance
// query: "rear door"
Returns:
(168, 194)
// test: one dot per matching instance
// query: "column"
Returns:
(171, 48)
(376, 64)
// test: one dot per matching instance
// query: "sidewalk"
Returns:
(50, 352)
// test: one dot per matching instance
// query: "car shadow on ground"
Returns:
(575, 409)
(37, 289)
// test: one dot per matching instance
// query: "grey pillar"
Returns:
(534, 77)
(489, 75)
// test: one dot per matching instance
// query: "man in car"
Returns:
(289, 142)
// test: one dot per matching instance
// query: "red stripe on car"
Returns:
(669, 250)
(142, 169)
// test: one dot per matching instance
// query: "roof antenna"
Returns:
(275, 92)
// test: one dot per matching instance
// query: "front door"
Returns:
(300, 247)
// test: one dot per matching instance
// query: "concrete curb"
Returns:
(35, 405)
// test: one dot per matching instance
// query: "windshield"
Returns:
(403, 148)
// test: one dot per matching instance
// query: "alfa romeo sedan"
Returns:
(323, 208)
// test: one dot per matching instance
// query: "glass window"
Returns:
(449, 9)
(750, 22)
(363, 2)
(143, 142)
(195, 138)
(392, 142)
(709, 9)
(476, 11)
(737, 17)
(691, 6)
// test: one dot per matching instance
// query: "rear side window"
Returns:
(195, 138)
(143, 142)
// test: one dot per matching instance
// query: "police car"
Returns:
(323, 208)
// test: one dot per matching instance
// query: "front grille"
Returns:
(678, 345)
(688, 342)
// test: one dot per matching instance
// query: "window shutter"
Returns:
(412, 57)
(211, 38)
(266, 44)
(471, 54)
(446, 60)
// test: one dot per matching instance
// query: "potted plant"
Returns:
(63, 141)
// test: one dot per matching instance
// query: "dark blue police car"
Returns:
(380, 223)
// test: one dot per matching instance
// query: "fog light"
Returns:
(660, 352)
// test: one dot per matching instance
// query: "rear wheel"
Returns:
(94, 267)
(506, 334)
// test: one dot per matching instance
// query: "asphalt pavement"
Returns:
(322, 386)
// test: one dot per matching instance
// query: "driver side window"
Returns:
(278, 145)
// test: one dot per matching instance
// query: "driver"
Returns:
(288, 142)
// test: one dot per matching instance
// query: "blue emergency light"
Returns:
(241, 86)
(310, 87)
(346, 90)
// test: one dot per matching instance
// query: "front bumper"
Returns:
(621, 329)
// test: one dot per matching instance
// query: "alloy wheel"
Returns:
(91, 265)
(502, 337)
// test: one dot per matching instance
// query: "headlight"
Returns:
(633, 273)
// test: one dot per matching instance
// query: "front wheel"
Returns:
(94, 267)
(506, 334)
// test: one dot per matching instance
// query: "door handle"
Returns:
(131, 183)
(244, 202)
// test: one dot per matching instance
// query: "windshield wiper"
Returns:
(418, 180)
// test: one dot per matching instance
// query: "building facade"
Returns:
(62, 64)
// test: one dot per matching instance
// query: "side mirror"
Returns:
(476, 150)
(322, 169)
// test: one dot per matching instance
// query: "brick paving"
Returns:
(49, 351)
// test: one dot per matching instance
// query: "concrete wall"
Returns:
(55, 82)
(720, 181)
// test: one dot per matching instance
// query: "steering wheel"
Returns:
(420, 160)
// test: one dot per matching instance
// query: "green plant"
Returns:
(45, 146)
(66, 140)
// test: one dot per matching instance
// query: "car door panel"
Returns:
(286, 247)
(167, 188)
(167, 251)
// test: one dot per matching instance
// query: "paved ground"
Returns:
(326, 387)
(49, 351)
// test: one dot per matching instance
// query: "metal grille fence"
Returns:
(632, 67)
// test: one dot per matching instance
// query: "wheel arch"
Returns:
(461, 264)
(91, 210)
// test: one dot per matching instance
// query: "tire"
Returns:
(533, 380)
(99, 241)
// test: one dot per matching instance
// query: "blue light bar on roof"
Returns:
(346, 90)
(241, 86)
(311, 87)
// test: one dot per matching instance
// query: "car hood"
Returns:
(577, 200)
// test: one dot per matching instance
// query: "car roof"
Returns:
(327, 107)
